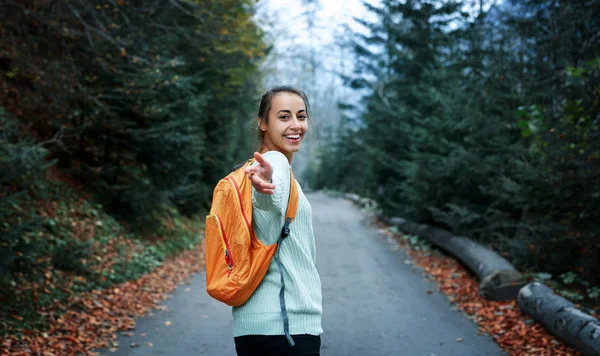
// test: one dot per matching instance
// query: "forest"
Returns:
(118, 117)
(483, 122)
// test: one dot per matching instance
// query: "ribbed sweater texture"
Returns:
(261, 314)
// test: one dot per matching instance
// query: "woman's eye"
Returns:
(302, 117)
(283, 117)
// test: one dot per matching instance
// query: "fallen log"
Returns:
(335, 194)
(499, 279)
(560, 317)
(352, 197)
(362, 202)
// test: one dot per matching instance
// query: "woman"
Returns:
(259, 323)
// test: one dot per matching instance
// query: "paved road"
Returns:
(373, 302)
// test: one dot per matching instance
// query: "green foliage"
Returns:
(150, 98)
(570, 286)
(486, 127)
(22, 166)
(68, 255)
(83, 248)
(568, 277)
(594, 293)
(530, 120)
(139, 107)
(417, 243)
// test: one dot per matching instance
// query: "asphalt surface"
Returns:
(374, 302)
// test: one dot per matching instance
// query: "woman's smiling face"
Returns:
(287, 124)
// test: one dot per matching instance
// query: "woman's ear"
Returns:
(261, 124)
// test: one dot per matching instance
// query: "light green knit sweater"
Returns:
(261, 314)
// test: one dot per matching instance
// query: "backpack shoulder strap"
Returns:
(290, 214)
(292, 207)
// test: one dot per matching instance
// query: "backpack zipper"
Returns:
(228, 256)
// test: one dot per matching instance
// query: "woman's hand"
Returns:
(260, 175)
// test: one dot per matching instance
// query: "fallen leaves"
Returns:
(92, 319)
(503, 320)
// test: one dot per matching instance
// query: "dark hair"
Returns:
(267, 99)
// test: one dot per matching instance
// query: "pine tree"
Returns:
(151, 97)
(487, 127)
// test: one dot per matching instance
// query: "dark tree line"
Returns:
(143, 105)
(485, 123)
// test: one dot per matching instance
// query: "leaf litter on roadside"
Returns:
(510, 329)
(92, 319)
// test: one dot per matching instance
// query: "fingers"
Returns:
(261, 185)
(255, 170)
(260, 159)
(258, 179)
(263, 190)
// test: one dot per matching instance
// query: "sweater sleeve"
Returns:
(276, 202)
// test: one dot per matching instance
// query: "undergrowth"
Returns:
(73, 246)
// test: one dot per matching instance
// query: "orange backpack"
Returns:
(236, 261)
